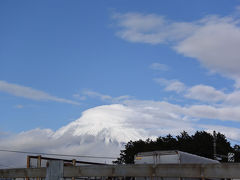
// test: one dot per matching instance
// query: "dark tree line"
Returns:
(200, 143)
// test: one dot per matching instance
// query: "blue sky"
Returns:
(61, 58)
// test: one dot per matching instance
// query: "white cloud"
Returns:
(227, 113)
(175, 86)
(30, 93)
(97, 95)
(233, 98)
(159, 67)
(167, 111)
(43, 140)
(230, 132)
(105, 97)
(205, 93)
(99, 130)
(78, 96)
(215, 44)
(104, 128)
(171, 85)
(201, 93)
(111, 122)
(214, 41)
(150, 28)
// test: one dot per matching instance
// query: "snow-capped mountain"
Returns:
(109, 122)
(100, 131)
(103, 131)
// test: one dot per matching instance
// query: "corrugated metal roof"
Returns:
(185, 158)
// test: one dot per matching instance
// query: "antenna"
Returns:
(214, 146)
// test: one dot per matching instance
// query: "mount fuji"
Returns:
(103, 131)
(100, 131)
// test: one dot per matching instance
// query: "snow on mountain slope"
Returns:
(103, 130)
(109, 122)
(100, 131)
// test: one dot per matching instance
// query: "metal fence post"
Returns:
(74, 164)
(39, 164)
(28, 164)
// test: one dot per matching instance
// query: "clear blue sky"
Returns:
(78, 52)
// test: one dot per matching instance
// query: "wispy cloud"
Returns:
(19, 106)
(78, 96)
(104, 128)
(201, 93)
(212, 40)
(209, 94)
(205, 93)
(150, 28)
(30, 93)
(105, 97)
(159, 67)
(171, 85)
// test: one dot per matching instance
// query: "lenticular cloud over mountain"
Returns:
(103, 130)
(111, 123)
(100, 131)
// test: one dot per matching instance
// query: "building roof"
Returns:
(184, 157)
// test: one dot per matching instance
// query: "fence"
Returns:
(57, 170)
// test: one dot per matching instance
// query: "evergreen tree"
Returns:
(200, 143)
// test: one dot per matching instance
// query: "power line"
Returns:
(8, 166)
(53, 154)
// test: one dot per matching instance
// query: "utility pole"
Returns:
(214, 146)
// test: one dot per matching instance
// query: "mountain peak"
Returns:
(108, 122)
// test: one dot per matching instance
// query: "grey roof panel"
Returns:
(185, 158)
